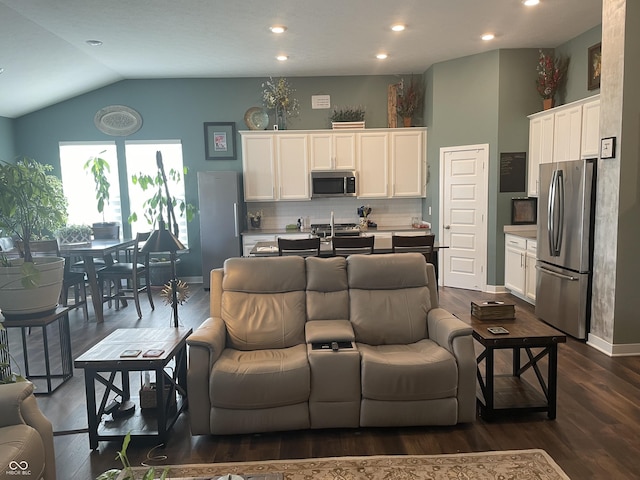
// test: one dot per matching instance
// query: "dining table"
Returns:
(88, 252)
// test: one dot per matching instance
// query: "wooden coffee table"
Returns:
(106, 358)
(499, 393)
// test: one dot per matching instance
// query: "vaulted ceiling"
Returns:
(45, 57)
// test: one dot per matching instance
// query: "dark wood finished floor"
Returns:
(595, 435)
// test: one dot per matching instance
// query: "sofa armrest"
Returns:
(444, 327)
(205, 346)
(11, 397)
(19, 406)
(456, 336)
(319, 331)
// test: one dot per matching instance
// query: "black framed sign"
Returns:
(220, 140)
(513, 171)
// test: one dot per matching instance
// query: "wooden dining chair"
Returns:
(77, 280)
(414, 243)
(135, 272)
(305, 247)
(345, 246)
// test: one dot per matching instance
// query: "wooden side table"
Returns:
(104, 361)
(511, 393)
(60, 315)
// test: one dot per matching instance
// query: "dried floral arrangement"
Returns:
(410, 98)
(551, 74)
(278, 95)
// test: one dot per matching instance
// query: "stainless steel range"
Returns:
(323, 230)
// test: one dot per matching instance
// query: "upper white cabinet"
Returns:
(275, 167)
(292, 167)
(259, 167)
(590, 129)
(373, 164)
(408, 160)
(388, 162)
(333, 151)
(568, 132)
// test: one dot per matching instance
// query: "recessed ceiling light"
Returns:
(278, 29)
(488, 36)
(282, 58)
(381, 56)
(530, 3)
(94, 43)
(398, 27)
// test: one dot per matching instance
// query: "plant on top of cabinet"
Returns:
(552, 73)
(278, 95)
(409, 100)
(347, 117)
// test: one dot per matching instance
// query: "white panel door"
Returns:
(463, 213)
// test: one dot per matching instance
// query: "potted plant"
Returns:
(74, 234)
(156, 204)
(32, 203)
(409, 100)
(255, 219)
(127, 471)
(99, 167)
(347, 117)
(278, 95)
(551, 74)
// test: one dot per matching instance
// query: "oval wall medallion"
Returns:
(117, 120)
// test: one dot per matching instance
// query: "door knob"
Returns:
(447, 227)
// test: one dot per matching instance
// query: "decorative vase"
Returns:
(364, 224)
(281, 118)
(406, 121)
(547, 103)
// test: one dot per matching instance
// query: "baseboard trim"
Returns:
(496, 289)
(612, 349)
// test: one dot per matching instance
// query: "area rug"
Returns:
(503, 465)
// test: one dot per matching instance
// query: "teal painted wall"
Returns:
(177, 109)
(462, 109)
(576, 50)
(7, 142)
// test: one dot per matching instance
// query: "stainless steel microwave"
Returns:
(333, 184)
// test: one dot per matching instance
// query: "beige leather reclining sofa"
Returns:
(26, 435)
(295, 343)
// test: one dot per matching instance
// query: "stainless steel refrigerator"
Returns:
(219, 198)
(566, 207)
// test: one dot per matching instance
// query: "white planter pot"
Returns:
(17, 300)
(347, 125)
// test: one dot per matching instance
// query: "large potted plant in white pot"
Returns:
(99, 168)
(32, 203)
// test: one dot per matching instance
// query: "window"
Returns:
(141, 157)
(79, 187)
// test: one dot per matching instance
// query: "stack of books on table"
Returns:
(492, 310)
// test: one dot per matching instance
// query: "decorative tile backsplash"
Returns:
(385, 212)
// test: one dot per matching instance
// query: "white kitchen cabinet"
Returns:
(540, 148)
(520, 267)
(514, 264)
(293, 167)
(567, 133)
(259, 167)
(408, 163)
(591, 129)
(373, 164)
(333, 151)
(531, 274)
(275, 167)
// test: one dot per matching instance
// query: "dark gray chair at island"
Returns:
(305, 247)
(414, 243)
(345, 246)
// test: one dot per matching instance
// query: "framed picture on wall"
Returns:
(595, 61)
(220, 140)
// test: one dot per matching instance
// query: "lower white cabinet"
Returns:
(520, 267)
